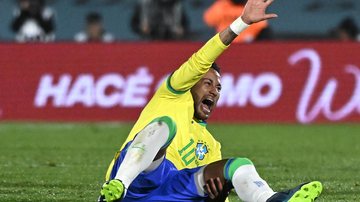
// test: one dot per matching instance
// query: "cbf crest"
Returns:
(201, 150)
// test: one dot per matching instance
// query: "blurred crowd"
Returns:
(35, 21)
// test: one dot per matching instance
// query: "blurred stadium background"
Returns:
(291, 104)
(307, 19)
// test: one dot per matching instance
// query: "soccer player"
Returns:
(170, 156)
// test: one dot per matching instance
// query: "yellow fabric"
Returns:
(173, 99)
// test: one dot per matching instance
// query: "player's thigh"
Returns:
(182, 185)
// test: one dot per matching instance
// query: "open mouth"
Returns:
(207, 104)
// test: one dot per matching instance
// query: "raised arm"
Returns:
(200, 62)
(254, 11)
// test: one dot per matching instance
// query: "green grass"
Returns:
(67, 162)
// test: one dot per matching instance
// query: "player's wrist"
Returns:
(246, 20)
(238, 25)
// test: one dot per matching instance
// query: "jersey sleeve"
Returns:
(196, 66)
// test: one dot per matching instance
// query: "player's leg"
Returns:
(145, 148)
(145, 153)
(189, 184)
(249, 186)
(241, 172)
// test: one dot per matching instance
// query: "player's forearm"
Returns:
(227, 36)
(231, 32)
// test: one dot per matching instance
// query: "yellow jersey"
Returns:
(192, 145)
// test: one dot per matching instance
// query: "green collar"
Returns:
(201, 122)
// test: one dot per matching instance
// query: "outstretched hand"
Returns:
(255, 11)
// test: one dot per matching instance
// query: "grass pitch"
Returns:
(67, 162)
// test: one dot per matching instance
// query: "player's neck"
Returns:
(201, 122)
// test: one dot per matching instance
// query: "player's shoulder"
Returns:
(166, 92)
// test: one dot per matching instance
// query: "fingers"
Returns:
(268, 2)
(270, 16)
(255, 11)
(213, 187)
(219, 185)
(208, 191)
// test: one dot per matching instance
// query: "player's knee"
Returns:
(233, 164)
(171, 125)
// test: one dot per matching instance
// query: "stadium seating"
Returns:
(298, 19)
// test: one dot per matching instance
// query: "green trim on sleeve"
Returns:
(171, 89)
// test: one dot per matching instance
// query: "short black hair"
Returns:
(348, 25)
(216, 67)
(93, 17)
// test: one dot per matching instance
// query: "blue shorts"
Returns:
(165, 183)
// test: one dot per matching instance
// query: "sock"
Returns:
(247, 183)
(142, 151)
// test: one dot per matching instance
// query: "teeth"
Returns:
(206, 108)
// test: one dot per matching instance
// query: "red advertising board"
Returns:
(262, 82)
